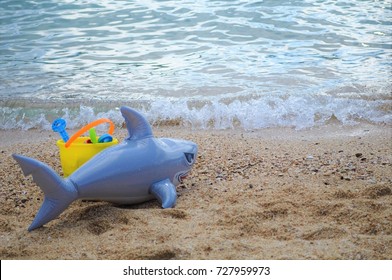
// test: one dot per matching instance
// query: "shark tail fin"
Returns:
(59, 193)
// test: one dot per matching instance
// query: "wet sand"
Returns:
(322, 193)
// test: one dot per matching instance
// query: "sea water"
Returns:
(200, 63)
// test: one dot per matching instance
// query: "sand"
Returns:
(321, 193)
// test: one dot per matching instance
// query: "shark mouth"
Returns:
(181, 176)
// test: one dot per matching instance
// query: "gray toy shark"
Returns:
(139, 169)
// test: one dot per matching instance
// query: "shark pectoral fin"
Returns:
(165, 192)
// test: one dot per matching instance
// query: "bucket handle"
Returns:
(84, 129)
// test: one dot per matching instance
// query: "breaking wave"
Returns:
(297, 111)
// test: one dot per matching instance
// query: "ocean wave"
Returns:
(297, 111)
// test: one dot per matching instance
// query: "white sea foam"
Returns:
(268, 111)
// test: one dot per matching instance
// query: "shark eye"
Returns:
(190, 158)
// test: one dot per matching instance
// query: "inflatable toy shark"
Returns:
(139, 169)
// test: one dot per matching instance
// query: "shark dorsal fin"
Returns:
(137, 125)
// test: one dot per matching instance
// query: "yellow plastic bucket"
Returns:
(76, 151)
(79, 152)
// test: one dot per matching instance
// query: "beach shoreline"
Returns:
(277, 193)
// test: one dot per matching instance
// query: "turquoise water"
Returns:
(219, 64)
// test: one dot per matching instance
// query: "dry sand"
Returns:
(323, 193)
